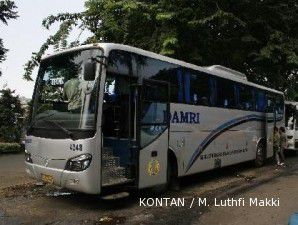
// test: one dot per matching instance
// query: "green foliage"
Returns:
(2, 51)
(259, 38)
(56, 40)
(7, 11)
(11, 113)
(10, 147)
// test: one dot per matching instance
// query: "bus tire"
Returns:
(260, 155)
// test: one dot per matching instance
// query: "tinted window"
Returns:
(196, 88)
(244, 97)
(279, 104)
(150, 68)
(155, 92)
(260, 99)
(270, 102)
(63, 97)
(226, 96)
(213, 90)
(118, 106)
(176, 85)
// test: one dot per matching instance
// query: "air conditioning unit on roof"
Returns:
(227, 71)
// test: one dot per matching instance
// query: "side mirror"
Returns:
(89, 71)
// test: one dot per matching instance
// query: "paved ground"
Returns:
(284, 190)
(12, 170)
(24, 202)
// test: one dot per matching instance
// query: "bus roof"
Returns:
(216, 70)
(291, 103)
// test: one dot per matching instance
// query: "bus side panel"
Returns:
(219, 137)
(153, 162)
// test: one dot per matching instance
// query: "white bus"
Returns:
(291, 119)
(108, 116)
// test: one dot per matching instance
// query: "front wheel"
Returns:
(260, 155)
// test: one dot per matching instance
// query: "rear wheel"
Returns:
(260, 155)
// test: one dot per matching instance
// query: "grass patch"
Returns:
(10, 147)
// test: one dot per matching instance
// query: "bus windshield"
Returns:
(63, 100)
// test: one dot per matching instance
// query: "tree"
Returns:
(11, 114)
(259, 38)
(7, 11)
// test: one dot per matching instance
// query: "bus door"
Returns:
(118, 129)
(153, 133)
(270, 124)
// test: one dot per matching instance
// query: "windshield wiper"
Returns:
(69, 133)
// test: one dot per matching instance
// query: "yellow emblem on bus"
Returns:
(153, 167)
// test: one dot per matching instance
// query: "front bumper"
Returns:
(77, 181)
(291, 145)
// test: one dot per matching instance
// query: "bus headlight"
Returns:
(79, 163)
(28, 157)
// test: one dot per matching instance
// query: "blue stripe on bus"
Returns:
(219, 130)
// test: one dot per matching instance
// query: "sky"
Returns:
(25, 35)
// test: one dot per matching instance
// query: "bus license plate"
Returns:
(47, 178)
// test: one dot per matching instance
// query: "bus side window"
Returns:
(176, 85)
(279, 104)
(226, 94)
(150, 68)
(196, 88)
(187, 83)
(179, 75)
(213, 90)
(245, 98)
(260, 100)
(270, 103)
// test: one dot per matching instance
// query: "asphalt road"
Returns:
(22, 201)
(283, 189)
(12, 170)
